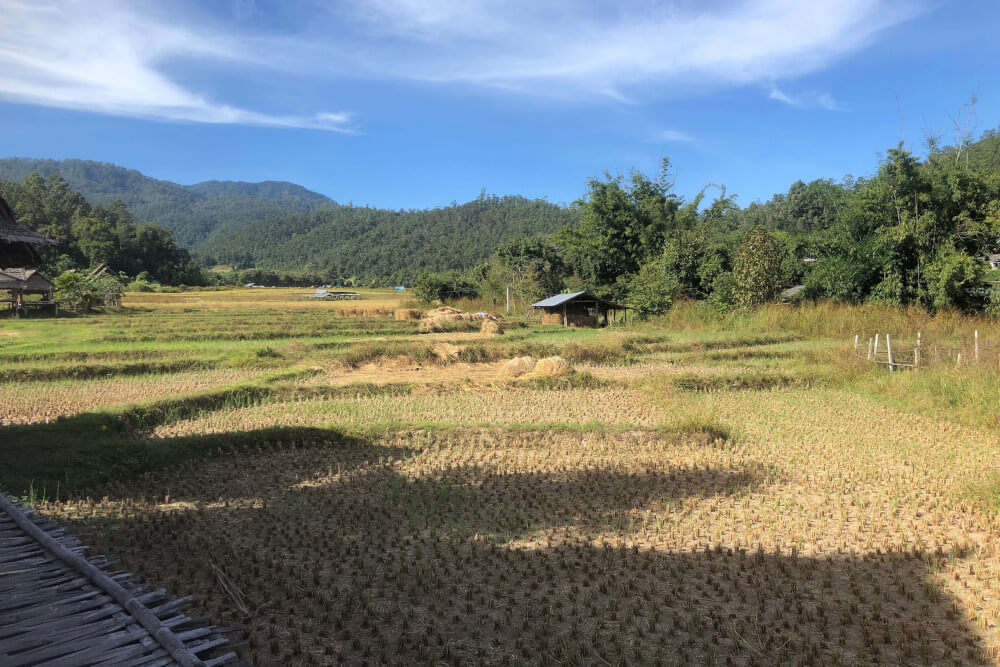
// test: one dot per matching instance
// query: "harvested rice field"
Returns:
(352, 491)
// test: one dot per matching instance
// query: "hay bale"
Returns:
(491, 328)
(517, 367)
(408, 314)
(442, 311)
(552, 318)
(446, 352)
(551, 367)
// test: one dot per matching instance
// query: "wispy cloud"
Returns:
(109, 58)
(806, 100)
(120, 56)
(617, 49)
(674, 136)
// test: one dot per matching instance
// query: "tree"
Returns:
(651, 291)
(954, 279)
(622, 225)
(757, 268)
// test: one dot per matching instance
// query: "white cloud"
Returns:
(116, 56)
(675, 136)
(623, 49)
(102, 56)
(806, 100)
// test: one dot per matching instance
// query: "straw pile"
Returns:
(408, 314)
(362, 312)
(446, 352)
(442, 311)
(552, 318)
(433, 320)
(517, 367)
(552, 367)
(491, 328)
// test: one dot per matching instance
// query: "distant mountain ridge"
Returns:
(193, 212)
(284, 226)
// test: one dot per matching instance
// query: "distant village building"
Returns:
(580, 309)
(993, 261)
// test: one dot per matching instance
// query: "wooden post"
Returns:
(508, 299)
(565, 319)
(958, 360)
(888, 347)
(875, 350)
(976, 344)
(855, 342)
(918, 339)
(916, 356)
(869, 349)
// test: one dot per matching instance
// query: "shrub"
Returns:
(80, 292)
(757, 268)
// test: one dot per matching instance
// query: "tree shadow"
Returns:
(383, 564)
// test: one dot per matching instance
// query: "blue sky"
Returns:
(415, 103)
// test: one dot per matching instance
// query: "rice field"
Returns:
(351, 492)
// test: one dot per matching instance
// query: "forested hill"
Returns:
(194, 213)
(283, 226)
(379, 243)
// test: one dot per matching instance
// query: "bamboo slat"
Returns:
(58, 607)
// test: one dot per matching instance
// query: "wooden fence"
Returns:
(898, 353)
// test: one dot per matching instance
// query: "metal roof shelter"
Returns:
(580, 309)
(58, 607)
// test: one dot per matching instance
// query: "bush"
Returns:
(651, 291)
(757, 268)
(80, 292)
(444, 286)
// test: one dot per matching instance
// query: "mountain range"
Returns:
(281, 225)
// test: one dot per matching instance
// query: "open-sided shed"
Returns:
(21, 282)
(580, 309)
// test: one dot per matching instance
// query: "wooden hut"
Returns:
(18, 251)
(18, 245)
(580, 309)
(19, 283)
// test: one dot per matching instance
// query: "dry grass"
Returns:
(571, 407)
(38, 402)
(735, 497)
(276, 298)
(795, 544)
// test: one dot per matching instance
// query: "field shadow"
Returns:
(375, 564)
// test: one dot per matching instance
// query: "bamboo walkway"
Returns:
(60, 608)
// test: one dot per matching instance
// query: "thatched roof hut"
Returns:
(26, 281)
(18, 245)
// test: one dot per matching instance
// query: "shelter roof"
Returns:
(560, 299)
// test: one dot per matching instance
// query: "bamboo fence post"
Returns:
(888, 347)
(855, 342)
(918, 339)
(916, 356)
(975, 337)
(869, 348)
(958, 360)
(875, 351)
